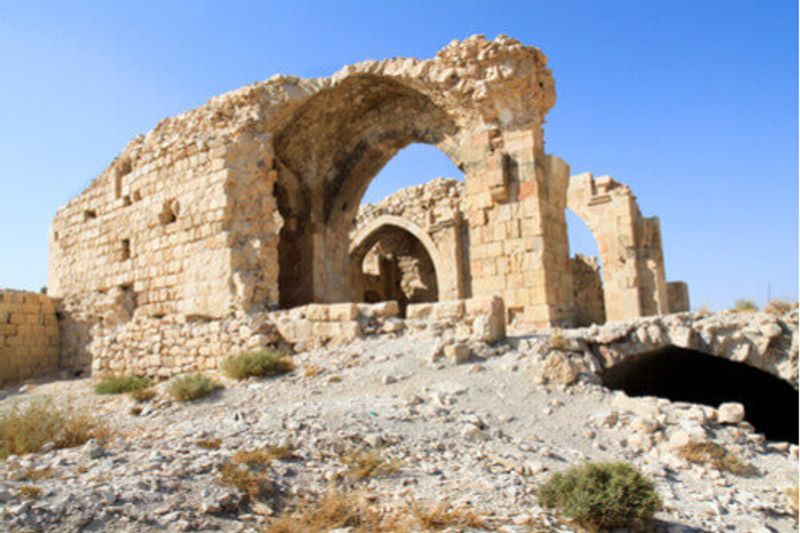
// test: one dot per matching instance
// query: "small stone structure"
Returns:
(178, 253)
(29, 339)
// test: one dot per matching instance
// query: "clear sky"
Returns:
(691, 103)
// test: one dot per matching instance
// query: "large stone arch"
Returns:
(445, 268)
(634, 280)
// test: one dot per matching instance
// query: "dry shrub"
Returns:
(745, 306)
(36, 474)
(26, 430)
(780, 307)
(255, 485)
(335, 379)
(121, 384)
(192, 387)
(601, 495)
(210, 444)
(143, 395)
(716, 456)
(443, 516)
(257, 364)
(311, 371)
(336, 510)
(362, 464)
(355, 512)
(29, 491)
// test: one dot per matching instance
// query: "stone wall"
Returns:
(29, 338)
(588, 291)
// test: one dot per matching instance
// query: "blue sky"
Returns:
(693, 104)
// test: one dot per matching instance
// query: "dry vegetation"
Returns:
(362, 464)
(358, 513)
(121, 384)
(779, 307)
(28, 429)
(210, 444)
(192, 387)
(143, 395)
(745, 306)
(257, 364)
(716, 456)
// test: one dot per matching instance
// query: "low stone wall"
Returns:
(176, 344)
(29, 339)
(481, 319)
(313, 325)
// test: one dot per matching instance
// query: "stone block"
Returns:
(451, 311)
(419, 311)
(342, 312)
(457, 353)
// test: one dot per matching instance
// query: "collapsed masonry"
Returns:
(250, 203)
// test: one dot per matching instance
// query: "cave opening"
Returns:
(679, 374)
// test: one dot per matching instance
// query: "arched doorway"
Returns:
(326, 157)
(679, 374)
(391, 259)
(587, 273)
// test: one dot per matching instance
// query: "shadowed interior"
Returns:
(771, 404)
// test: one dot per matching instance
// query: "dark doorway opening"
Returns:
(687, 375)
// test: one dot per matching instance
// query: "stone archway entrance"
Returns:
(393, 260)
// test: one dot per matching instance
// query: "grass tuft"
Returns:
(444, 516)
(257, 364)
(716, 456)
(362, 464)
(28, 429)
(143, 395)
(337, 511)
(192, 387)
(780, 307)
(210, 444)
(121, 384)
(601, 495)
(745, 306)
(30, 492)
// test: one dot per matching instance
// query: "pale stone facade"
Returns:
(178, 252)
(29, 339)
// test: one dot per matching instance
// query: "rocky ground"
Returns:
(482, 434)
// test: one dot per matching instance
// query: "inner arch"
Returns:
(326, 156)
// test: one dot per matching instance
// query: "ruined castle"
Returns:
(186, 246)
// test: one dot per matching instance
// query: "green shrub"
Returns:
(260, 364)
(601, 495)
(192, 387)
(745, 306)
(121, 384)
(26, 430)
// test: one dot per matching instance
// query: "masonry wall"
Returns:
(588, 291)
(29, 338)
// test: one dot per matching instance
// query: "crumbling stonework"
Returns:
(251, 203)
(29, 340)
(588, 287)
(634, 279)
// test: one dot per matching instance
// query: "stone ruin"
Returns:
(189, 245)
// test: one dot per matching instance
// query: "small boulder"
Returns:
(730, 413)
(556, 369)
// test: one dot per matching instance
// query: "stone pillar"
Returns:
(518, 248)
(678, 294)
